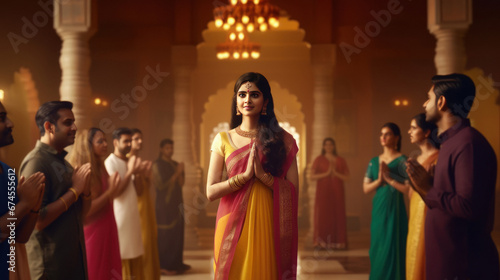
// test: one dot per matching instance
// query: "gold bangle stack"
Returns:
(65, 204)
(267, 179)
(236, 182)
(74, 192)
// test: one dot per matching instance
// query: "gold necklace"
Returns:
(247, 134)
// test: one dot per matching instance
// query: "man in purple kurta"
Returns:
(461, 197)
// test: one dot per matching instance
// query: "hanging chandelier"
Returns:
(241, 17)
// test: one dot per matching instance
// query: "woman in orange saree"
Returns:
(256, 226)
(421, 134)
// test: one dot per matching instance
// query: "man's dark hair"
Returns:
(165, 142)
(459, 91)
(135, 130)
(117, 133)
(48, 112)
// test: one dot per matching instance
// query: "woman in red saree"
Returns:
(256, 227)
(101, 233)
(330, 230)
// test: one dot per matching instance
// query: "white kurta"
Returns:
(126, 212)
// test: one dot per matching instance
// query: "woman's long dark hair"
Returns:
(395, 130)
(270, 134)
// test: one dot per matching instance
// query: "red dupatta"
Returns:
(284, 212)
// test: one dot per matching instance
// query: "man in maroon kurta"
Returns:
(461, 197)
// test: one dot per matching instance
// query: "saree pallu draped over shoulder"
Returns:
(238, 214)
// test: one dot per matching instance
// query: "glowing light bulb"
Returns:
(261, 20)
(397, 102)
(241, 36)
(250, 28)
(219, 23)
(226, 26)
(234, 2)
(236, 55)
(231, 20)
(256, 2)
(239, 27)
(263, 27)
(104, 103)
(232, 36)
(244, 2)
(245, 19)
(274, 22)
(255, 55)
(2, 94)
(97, 101)
(220, 55)
(405, 102)
(245, 55)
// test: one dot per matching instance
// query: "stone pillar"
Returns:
(75, 22)
(183, 62)
(448, 21)
(323, 62)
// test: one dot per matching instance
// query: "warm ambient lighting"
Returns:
(2, 94)
(403, 102)
(239, 17)
(100, 102)
(238, 49)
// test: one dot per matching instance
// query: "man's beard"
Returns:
(124, 151)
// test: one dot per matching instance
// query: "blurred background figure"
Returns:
(424, 135)
(27, 197)
(101, 233)
(386, 177)
(168, 179)
(56, 249)
(146, 206)
(125, 204)
(330, 170)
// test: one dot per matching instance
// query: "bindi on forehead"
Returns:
(248, 86)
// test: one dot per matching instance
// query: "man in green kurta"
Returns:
(56, 249)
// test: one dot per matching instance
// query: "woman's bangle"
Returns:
(65, 204)
(236, 182)
(267, 179)
(239, 179)
(74, 192)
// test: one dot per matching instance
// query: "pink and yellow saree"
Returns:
(256, 227)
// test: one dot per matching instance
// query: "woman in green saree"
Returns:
(386, 176)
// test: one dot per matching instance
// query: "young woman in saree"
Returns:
(330, 226)
(421, 134)
(101, 233)
(386, 176)
(256, 226)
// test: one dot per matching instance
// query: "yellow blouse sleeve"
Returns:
(217, 145)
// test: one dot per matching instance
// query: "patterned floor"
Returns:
(352, 264)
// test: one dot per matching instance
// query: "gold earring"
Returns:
(264, 111)
(238, 113)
